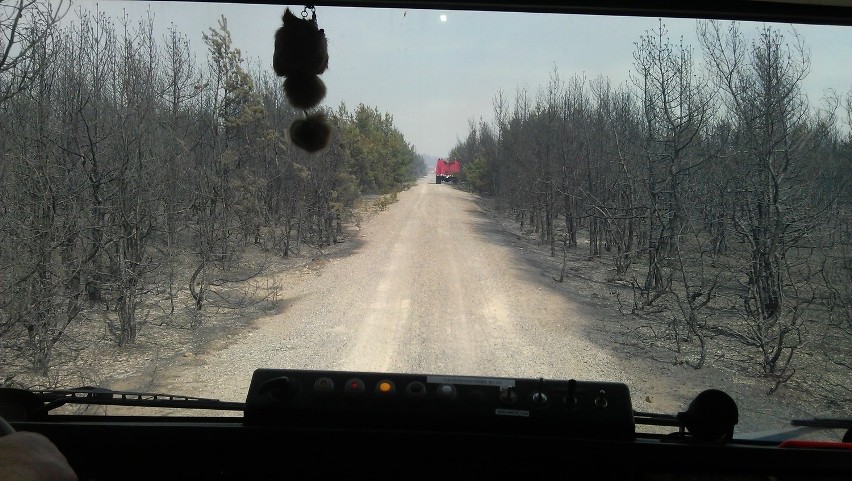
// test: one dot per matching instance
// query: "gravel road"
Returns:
(432, 286)
(437, 285)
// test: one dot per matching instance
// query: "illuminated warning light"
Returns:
(385, 387)
(354, 386)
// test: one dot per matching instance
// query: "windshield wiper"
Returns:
(655, 419)
(101, 396)
(826, 423)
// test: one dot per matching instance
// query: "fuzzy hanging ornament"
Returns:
(311, 133)
(301, 55)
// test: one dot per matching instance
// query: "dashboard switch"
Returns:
(385, 388)
(354, 386)
(539, 399)
(508, 395)
(600, 401)
(324, 385)
(446, 392)
(569, 401)
(416, 390)
(280, 388)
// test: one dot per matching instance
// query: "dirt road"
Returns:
(431, 285)
(437, 284)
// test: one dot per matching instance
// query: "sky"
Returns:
(436, 71)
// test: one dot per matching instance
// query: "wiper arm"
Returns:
(827, 423)
(100, 396)
(655, 419)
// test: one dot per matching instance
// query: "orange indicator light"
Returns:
(385, 386)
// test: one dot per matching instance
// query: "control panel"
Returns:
(345, 399)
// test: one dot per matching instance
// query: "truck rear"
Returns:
(446, 171)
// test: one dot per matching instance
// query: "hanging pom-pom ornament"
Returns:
(304, 91)
(301, 55)
(311, 133)
(300, 47)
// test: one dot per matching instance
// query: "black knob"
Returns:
(539, 399)
(711, 416)
(280, 388)
(570, 400)
(601, 401)
(508, 395)
(415, 390)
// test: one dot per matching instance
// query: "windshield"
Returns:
(663, 202)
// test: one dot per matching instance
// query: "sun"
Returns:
(443, 18)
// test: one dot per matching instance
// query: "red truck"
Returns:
(446, 170)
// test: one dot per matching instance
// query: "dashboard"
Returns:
(305, 424)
